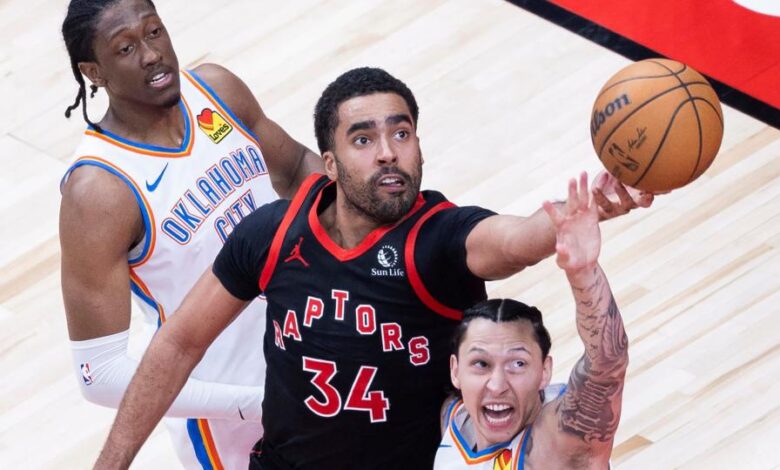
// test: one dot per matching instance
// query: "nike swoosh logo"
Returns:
(153, 186)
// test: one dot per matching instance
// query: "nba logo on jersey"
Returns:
(85, 374)
(213, 125)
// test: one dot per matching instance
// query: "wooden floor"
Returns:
(505, 100)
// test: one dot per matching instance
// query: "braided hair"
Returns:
(78, 31)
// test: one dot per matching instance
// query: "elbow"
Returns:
(101, 395)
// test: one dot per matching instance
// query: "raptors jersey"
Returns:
(357, 347)
(190, 198)
(457, 448)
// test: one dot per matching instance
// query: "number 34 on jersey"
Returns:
(359, 398)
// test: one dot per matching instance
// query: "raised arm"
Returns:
(589, 411)
(175, 350)
(99, 223)
(289, 162)
(503, 245)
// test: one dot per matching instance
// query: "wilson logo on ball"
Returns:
(601, 115)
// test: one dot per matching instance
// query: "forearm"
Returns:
(104, 370)
(503, 245)
(543, 232)
(599, 323)
(161, 374)
(591, 406)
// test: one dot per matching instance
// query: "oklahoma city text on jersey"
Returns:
(208, 192)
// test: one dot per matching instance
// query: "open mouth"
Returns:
(498, 414)
(392, 182)
(159, 79)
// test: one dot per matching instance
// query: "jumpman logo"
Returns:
(296, 254)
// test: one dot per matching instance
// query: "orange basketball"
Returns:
(657, 125)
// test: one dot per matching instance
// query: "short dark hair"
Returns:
(504, 310)
(78, 31)
(356, 82)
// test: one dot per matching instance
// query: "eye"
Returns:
(402, 134)
(126, 49)
(157, 31)
(518, 364)
(479, 364)
(361, 140)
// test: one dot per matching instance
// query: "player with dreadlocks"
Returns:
(155, 188)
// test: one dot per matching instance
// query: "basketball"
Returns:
(657, 125)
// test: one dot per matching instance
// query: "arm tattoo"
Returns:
(590, 409)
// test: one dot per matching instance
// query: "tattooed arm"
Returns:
(590, 408)
(588, 413)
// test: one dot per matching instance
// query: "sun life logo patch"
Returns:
(387, 256)
(213, 125)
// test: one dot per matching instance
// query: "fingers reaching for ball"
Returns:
(614, 199)
(578, 239)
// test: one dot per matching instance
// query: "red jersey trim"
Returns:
(276, 244)
(342, 254)
(414, 277)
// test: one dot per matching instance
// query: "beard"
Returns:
(364, 197)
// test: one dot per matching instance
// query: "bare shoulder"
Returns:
(216, 76)
(95, 201)
(231, 89)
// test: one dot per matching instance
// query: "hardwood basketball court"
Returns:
(505, 101)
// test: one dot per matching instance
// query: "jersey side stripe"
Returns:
(414, 277)
(220, 105)
(276, 244)
(203, 444)
(153, 150)
(139, 288)
(143, 204)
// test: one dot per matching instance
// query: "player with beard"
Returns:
(366, 278)
(154, 188)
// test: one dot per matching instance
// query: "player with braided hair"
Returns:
(155, 188)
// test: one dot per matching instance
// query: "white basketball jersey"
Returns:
(191, 197)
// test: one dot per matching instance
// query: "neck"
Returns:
(149, 124)
(345, 224)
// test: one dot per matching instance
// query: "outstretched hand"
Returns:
(577, 234)
(614, 199)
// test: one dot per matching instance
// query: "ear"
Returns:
(454, 371)
(546, 372)
(329, 159)
(92, 71)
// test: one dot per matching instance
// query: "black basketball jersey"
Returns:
(357, 348)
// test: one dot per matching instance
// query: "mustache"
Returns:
(384, 171)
